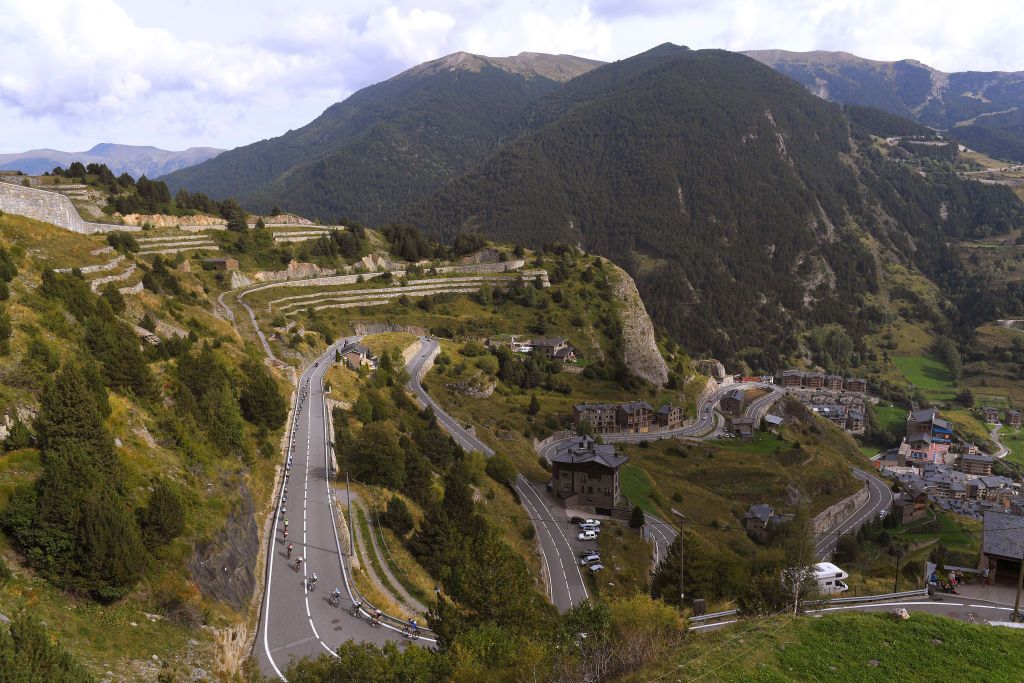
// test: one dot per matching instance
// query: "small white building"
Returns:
(830, 578)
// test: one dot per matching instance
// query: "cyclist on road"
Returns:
(289, 551)
(298, 562)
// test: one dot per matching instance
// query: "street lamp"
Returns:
(680, 518)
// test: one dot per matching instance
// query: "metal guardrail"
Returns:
(834, 601)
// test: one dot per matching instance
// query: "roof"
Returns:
(834, 377)
(564, 352)
(549, 341)
(983, 459)
(827, 568)
(735, 393)
(926, 415)
(761, 511)
(773, 419)
(1013, 412)
(633, 406)
(856, 379)
(1003, 534)
(989, 409)
(582, 407)
(585, 450)
(667, 408)
(792, 373)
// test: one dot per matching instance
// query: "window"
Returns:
(827, 583)
(590, 489)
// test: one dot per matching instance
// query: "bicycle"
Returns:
(354, 610)
(410, 633)
(373, 621)
(334, 600)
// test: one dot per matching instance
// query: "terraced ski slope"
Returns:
(176, 243)
(381, 295)
(300, 235)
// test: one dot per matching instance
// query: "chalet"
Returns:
(910, 505)
(1013, 418)
(742, 427)
(834, 413)
(732, 402)
(928, 437)
(1002, 546)
(774, 422)
(792, 378)
(634, 417)
(856, 384)
(220, 263)
(834, 382)
(669, 416)
(357, 356)
(600, 416)
(976, 464)
(990, 415)
(855, 420)
(585, 475)
(814, 380)
(555, 348)
(760, 520)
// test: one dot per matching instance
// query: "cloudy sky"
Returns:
(227, 72)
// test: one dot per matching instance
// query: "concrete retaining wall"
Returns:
(49, 207)
(835, 514)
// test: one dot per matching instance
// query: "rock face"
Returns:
(163, 221)
(295, 271)
(224, 568)
(641, 352)
(364, 329)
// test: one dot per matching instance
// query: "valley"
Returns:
(623, 350)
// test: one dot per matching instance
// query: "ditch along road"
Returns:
(295, 622)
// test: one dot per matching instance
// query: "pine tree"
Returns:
(261, 400)
(534, 407)
(636, 518)
(164, 517)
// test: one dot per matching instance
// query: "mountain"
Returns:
(744, 206)
(983, 110)
(389, 145)
(131, 159)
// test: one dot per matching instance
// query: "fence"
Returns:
(834, 601)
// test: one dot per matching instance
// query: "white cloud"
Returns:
(73, 73)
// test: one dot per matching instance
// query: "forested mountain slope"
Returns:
(984, 110)
(390, 144)
(738, 200)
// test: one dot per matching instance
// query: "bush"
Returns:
(163, 520)
(500, 469)
(636, 518)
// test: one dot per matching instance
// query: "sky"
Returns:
(224, 73)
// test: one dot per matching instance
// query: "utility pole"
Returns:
(896, 578)
(682, 555)
(1016, 615)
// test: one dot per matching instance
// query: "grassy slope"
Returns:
(848, 647)
(929, 374)
(102, 636)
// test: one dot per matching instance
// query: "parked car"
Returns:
(592, 522)
(589, 535)
(590, 559)
(595, 568)
(576, 520)
(589, 527)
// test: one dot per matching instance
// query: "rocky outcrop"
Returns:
(163, 221)
(295, 271)
(224, 567)
(641, 352)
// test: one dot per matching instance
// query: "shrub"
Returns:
(500, 469)
(397, 516)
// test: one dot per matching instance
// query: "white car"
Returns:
(592, 522)
(589, 535)
(595, 568)
(590, 559)
(588, 527)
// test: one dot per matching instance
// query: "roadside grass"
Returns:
(891, 418)
(53, 246)
(847, 646)
(388, 342)
(344, 383)
(370, 580)
(636, 486)
(1014, 440)
(967, 425)
(929, 374)
(960, 535)
(627, 563)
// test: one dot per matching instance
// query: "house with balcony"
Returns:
(585, 476)
(635, 417)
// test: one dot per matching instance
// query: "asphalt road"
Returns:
(879, 499)
(557, 538)
(293, 621)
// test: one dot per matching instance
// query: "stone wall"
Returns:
(829, 517)
(364, 329)
(49, 207)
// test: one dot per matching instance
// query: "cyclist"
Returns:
(298, 563)
(335, 596)
(286, 534)
(377, 615)
(289, 551)
(285, 523)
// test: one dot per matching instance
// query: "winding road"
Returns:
(295, 622)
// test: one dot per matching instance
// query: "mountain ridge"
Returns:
(136, 160)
